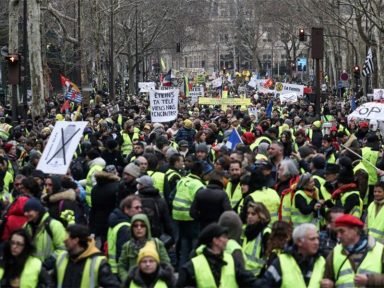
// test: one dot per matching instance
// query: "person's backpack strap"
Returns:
(47, 227)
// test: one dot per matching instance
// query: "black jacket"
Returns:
(103, 197)
(157, 211)
(209, 204)
(125, 189)
(123, 235)
(187, 277)
(164, 273)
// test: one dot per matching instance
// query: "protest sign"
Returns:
(147, 86)
(195, 93)
(217, 82)
(286, 88)
(224, 101)
(288, 98)
(370, 111)
(378, 94)
(164, 105)
(61, 146)
(253, 111)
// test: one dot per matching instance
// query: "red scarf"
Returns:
(342, 189)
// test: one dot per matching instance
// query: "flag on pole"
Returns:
(167, 79)
(186, 86)
(233, 139)
(368, 64)
(268, 83)
(71, 91)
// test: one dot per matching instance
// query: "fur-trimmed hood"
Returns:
(69, 194)
(103, 177)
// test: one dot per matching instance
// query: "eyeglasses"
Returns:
(19, 244)
(139, 226)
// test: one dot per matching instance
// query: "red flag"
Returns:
(66, 106)
(64, 81)
(268, 83)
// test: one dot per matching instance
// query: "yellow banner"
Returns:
(224, 101)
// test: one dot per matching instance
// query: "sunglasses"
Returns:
(139, 226)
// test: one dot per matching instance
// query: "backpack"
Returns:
(151, 209)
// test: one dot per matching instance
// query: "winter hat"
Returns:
(170, 152)
(8, 146)
(248, 138)
(231, 220)
(349, 221)
(145, 180)
(211, 231)
(346, 175)
(304, 179)
(33, 204)
(202, 148)
(183, 143)
(318, 162)
(149, 250)
(188, 124)
(132, 169)
(33, 155)
(110, 169)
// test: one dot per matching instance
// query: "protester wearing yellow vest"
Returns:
(128, 135)
(256, 234)
(82, 265)
(233, 188)
(375, 217)
(357, 261)
(210, 257)
(306, 203)
(289, 270)
(370, 158)
(18, 267)
(96, 163)
(150, 272)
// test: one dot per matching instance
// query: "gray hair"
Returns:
(300, 232)
(289, 168)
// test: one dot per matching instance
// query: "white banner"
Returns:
(195, 93)
(147, 86)
(217, 82)
(253, 82)
(61, 146)
(164, 105)
(378, 94)
(253, 111)
(285, 88)
(370, 110)
(288, 98)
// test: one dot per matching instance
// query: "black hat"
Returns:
(33, 204)
(346, 176)
(211, 231)
(332, 168)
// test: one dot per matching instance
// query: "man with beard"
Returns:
(276, 155)
(233, 188)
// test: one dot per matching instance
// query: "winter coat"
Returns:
(125, 189)
(14, 218)
(187, 276)
(103, 197)
(164, 273)
(124, 234)
(75, 267)
(130, 250)
(113, 158)
(187, 135)
(209, 204)
(62, 201)
(153, 203)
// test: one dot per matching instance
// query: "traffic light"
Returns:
(356, 72)
(178, 47)
(13, 61)
(301, 35)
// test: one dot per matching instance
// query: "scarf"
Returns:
(347, 187)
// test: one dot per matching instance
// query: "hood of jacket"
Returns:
(116, 217)
(231, 220)
(69, 194)
(149, 191)
(91, 250)
(97, 161)
(143, 218)
(103, 177)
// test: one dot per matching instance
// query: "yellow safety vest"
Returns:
(297, 217)
(90, 273)
(204, 276)
(158, 180)
(185, 193)
(343, 269)
(292, 275)
(232, 246)
(126, 147)
(8, 180)
(88, 186)
(375, 222)
(4, 131)
(358, 167)
(112, 249)
(236, 196)
(252, 251)
(257, 142)
(357, 210)
(29, 278)
(370, 156)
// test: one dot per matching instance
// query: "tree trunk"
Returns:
(13, 46)
(35, 62)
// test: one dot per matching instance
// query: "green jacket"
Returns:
(130, 250)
